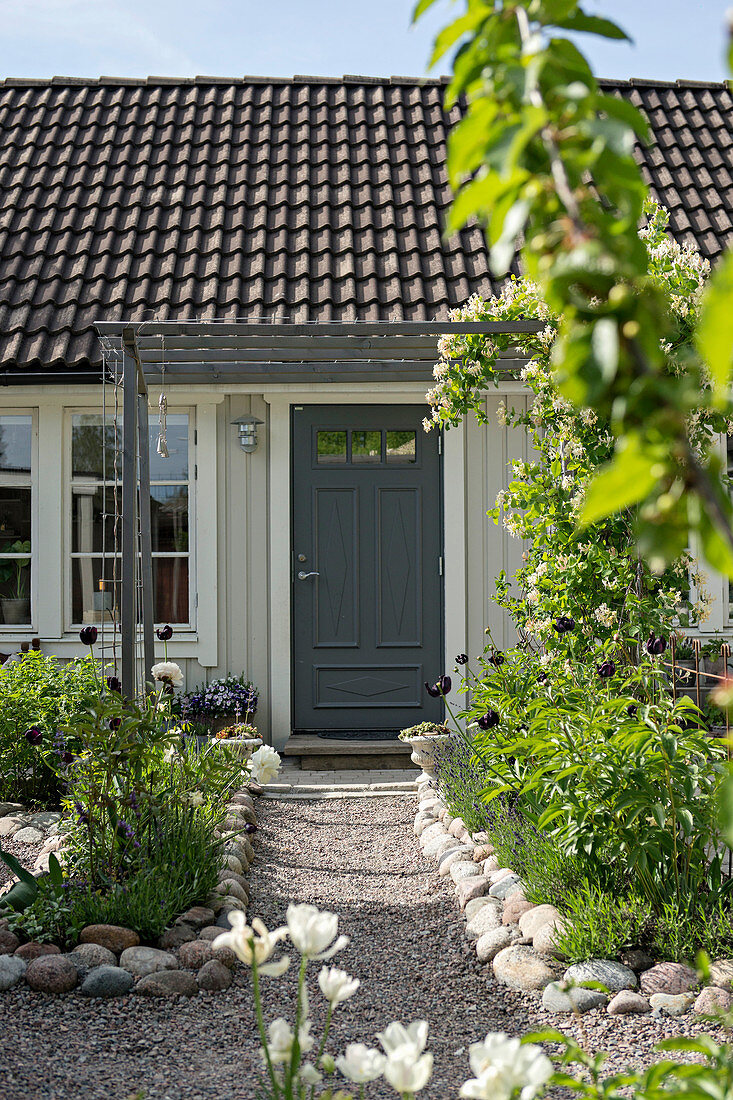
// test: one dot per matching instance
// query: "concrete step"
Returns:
(328, 754)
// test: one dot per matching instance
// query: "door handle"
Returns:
(304, 576)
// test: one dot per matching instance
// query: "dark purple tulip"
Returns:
(489, 720)
(655, 647)
(33, 736)
(541, 678)
(564, 624)
(606, 669)
(114, 684)
(88, 635)
(115, 723)
(497, 659)
(632, 710)
(461, 658)
(444, 683)
(432, 690)
(165, 633)
(250, 828)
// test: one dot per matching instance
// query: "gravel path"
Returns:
(360, 858)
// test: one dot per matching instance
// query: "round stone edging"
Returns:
(110, 961)
(515, 935)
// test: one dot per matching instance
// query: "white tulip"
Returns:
(336, 985)
(254, 944)
(360, 1064)
(279, 1041)
(502, 1065)
(397, 1035)
(313, 930)
(309, 1075)
(167, 672)
(264, 764)
(406, 1070)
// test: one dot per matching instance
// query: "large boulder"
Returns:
(557, 998)
(492, 942)
(52, 974)
(614, 975)
(9, 942)
(721, 974)
(514, 907)
(470, 888)
(628, 1003)
(192, 956)
(199, 916)
(92, 955)
(107, 981)
(167, 983)
(464, 869)
(485, 920)
(520, 967)
(531, 921)
(12, 969)
(669, 978)
(713, 1000)
(33, 950)
(141, 961)
(671, 1004)
(112, 936)
(214, 976)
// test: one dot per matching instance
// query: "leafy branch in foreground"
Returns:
(543, 158)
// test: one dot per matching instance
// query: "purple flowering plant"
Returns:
(221, 698)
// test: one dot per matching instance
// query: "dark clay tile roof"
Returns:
(307, 199)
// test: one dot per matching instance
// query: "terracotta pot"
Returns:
(423, 753)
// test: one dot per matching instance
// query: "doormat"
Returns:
(359, 735)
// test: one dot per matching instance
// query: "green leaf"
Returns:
(18, 869)
(726, 809)
(20, 896)
(626, 480)
(715, 331)
(54, 870)
(593, 24)
(420, 8)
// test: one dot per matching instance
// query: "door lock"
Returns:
(304, 576)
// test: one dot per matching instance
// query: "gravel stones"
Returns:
(93, 955)
(112, 936)
(492, 942)
(197, 917)
(9, 942)
(107, 981)
(628, 1003)
(614, 975)
(174, 937)
(192, 956)
(713, 1000)
(214, 976)
(52, 974)
(721, 974)
(28, 835)
(141, 961)
(669, 978)
(167, 983)
(531, 921)
(520, 967)
(671, 1004)
(12, 969)
(557, 998)
(485, 920)
(33, 950)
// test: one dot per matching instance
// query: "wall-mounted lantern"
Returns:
(247, 426)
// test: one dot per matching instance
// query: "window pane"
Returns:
(89, 603)
(93, 449)
(175, 467)
(88, 524)
(366, 446)
(15, 444)
(170, 584)
(169, 517)
(15, 520)
(331, 447)
(400, 447)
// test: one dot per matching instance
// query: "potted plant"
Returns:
(685, 665)
(424, 740)
(16, 608)
(712, 654)
(240, 739)
(227, 701)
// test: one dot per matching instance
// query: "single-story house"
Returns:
(346, 557)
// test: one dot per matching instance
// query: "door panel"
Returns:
(366, 546)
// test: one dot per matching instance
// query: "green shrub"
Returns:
(38, 691)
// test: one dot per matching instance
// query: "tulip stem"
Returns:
(261, 1025)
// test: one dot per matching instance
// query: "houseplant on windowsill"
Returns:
(16, 608)
(424, 740)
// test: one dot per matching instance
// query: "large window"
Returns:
(16, 500)
(96, 485)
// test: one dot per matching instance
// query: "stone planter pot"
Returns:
(16, 611)
(685, 673)
(423, 753)
(239, 746)
(715, 667)
(216, 724)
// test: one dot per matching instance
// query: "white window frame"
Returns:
(15, 629)
(183, 630)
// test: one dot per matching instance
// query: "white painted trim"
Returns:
(205, 524)
(50, 500)
(454, 553)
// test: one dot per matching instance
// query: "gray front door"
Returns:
(366, 546)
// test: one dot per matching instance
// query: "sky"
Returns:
(672, 38)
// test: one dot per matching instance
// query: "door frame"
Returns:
(279, 496)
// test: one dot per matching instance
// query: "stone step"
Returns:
(315, 753)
